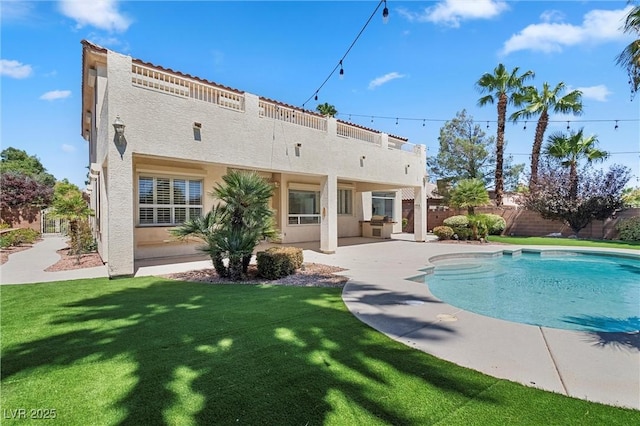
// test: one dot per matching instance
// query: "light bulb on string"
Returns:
(616, 126)
(385, 13)
(341, 71)
(525, 126)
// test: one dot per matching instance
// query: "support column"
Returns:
(329, 214)
(420, 212)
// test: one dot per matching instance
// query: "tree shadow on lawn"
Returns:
(250, 354)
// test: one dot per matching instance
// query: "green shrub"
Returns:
(18, 236)
(497, 224)
(459, 221)
(629, 229)
(6, 240)
(24, 236)
(462, 234)
(278, 262)
(443, 232)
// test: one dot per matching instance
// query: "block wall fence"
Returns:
(521, 222)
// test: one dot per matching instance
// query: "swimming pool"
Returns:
(557, 289)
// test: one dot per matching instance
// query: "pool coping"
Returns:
(594, 366)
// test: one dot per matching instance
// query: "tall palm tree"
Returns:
(500, 88)
(629, 58)
(540, 103)
(572, 148)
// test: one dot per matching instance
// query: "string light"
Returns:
(616, 126)
(385, 15)
(397, 120)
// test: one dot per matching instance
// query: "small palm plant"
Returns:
(69, 204)
(235, 226)
(469, 194)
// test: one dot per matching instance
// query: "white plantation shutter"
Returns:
(164, 200)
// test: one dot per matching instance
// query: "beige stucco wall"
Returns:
(160, 140)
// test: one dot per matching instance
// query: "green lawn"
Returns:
(152, 351)
(569, 242)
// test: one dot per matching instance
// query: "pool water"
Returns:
(565, 290)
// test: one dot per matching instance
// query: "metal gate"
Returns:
(51, 225)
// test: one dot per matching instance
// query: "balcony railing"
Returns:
(151, 78)
(359, 133)
(290, 115)
(166, 82)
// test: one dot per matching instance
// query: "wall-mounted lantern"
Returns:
(119, 126)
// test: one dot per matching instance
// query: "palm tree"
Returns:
(629, 58)
(500, 88)
(572, 148)
(327, 109)
(540, 103)
(234, 227)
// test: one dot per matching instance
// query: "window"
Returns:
(304, 207)
(345, 201)
(382, 203)
(168, 201)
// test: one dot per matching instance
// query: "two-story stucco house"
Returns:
(159, 140)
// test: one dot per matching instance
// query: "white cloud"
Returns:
(102, 14)
(14, 69)
(68, 148)
(379, 81)
(598, 93)
(552, 16)
(56, 94)
(13, 10)
(452, 12)
(598, 26)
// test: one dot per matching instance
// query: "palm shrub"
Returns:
(69, 204)
(479, 225)
(235, 226)
(469, 194)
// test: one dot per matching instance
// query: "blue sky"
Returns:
(419, 68)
